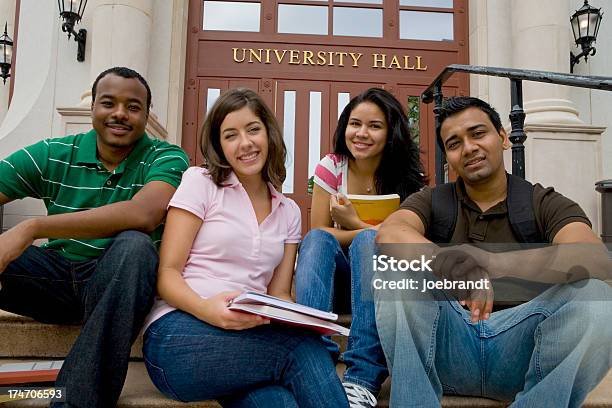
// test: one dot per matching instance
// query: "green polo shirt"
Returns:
(67, 175)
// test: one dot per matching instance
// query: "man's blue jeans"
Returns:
(111, 295)
(324, 276)
(267, 366)
(550, 351)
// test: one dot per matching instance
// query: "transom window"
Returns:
(362, 18)
(416, 19)
(232, 16)
(426, 20)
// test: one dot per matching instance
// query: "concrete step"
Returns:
(23, 338)
(139, 392)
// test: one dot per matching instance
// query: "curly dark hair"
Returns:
(210, 137)
(400, 170)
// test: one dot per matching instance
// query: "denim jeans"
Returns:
(111, 295)
(267, 366)
(550, 351)
(323, 275)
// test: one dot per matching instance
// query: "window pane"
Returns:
(211, 97)
(413, 117)
(360, 1)
(231, 16)
(359, 22)
(289, 137)
(419, 25)
(294, 19)
(343, 99)
(314, 132)
(427, 3)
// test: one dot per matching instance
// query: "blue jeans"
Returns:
(111, 295)
(267, 366)
(556, 347)
(323, 274)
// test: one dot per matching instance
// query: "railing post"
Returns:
(437, 95)
(517, 135)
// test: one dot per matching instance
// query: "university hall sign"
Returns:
(328, 58)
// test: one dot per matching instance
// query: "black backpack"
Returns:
(445, 208)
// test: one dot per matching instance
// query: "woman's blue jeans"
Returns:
(325, 278)
(267, 366)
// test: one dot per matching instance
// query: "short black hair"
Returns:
(400, 170)
(124, 73)
(454, 105)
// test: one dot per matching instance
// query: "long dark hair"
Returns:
(210, 136)
(400, 170)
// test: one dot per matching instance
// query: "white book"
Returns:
(263, 299)
(292, 318)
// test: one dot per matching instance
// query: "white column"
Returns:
(540, 39)
(120, 36)
(560, 150)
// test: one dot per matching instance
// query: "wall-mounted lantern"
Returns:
(585, 25)
(6, 54)
(71, 11)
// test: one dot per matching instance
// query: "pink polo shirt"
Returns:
(230, 251)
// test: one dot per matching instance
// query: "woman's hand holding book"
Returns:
(215, 311)
(344, 214)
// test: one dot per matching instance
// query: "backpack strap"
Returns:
(443, 213)
(520, 210)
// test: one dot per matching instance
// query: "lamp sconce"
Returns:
(72, 13)
(6, 54)
(585, 26)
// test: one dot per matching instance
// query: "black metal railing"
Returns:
(433, 93)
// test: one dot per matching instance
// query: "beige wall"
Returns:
(565, 146)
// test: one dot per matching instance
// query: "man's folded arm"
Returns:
(402, 235)
(144, 212)
(403, 226)
(577, 253)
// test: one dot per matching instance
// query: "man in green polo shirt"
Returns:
(106, 193)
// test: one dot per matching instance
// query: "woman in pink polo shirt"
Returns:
(229, 230)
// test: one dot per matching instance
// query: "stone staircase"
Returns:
(25, 339)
